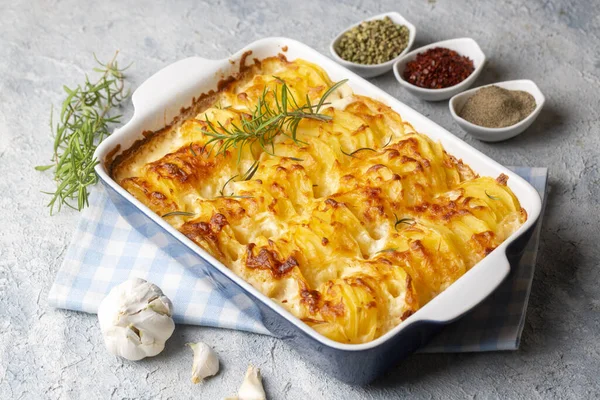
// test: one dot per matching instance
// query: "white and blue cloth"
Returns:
(106, 250)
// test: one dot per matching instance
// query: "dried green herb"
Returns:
(84, 122)
(373, 42)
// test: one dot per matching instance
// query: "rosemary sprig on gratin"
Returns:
(267, 121)
(83, 124)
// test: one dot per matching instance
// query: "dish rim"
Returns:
(108, 146)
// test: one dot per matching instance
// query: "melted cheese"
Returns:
(350, 244)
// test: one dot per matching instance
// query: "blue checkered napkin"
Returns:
(106, 250)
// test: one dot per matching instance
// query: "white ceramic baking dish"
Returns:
(158, 100)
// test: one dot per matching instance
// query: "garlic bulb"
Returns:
(135, 319)
(206, 362)
(252, 388)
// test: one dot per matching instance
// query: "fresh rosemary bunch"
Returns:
(266, 121)
(84, 122)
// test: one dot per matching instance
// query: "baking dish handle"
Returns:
(172, 81)
(463, 295)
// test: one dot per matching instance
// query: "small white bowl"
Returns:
(497, 134)
(370, 71)
(463, 46)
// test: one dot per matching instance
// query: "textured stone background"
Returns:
(47, 353)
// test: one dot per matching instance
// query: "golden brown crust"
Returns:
(269, 260)
(197, 106)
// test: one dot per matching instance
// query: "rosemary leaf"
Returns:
(491, 197)
(235, 197)
(328, 92)
(407, 221)
(182, 213)
(357, 150)
(225, 185)
(388, 142)
(251, 171)
(293, 158)
(390, 250)
(83, 122)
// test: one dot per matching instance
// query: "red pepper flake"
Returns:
(438, 68)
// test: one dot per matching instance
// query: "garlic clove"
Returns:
(252, 388)
(206, 362)
(135, 319)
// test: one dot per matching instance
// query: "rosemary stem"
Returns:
(82, 124)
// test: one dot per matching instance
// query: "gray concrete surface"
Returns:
(48, 353)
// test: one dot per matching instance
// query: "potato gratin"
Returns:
(352, 227)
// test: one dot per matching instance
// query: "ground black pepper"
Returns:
(438, 68)
(496, 107)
